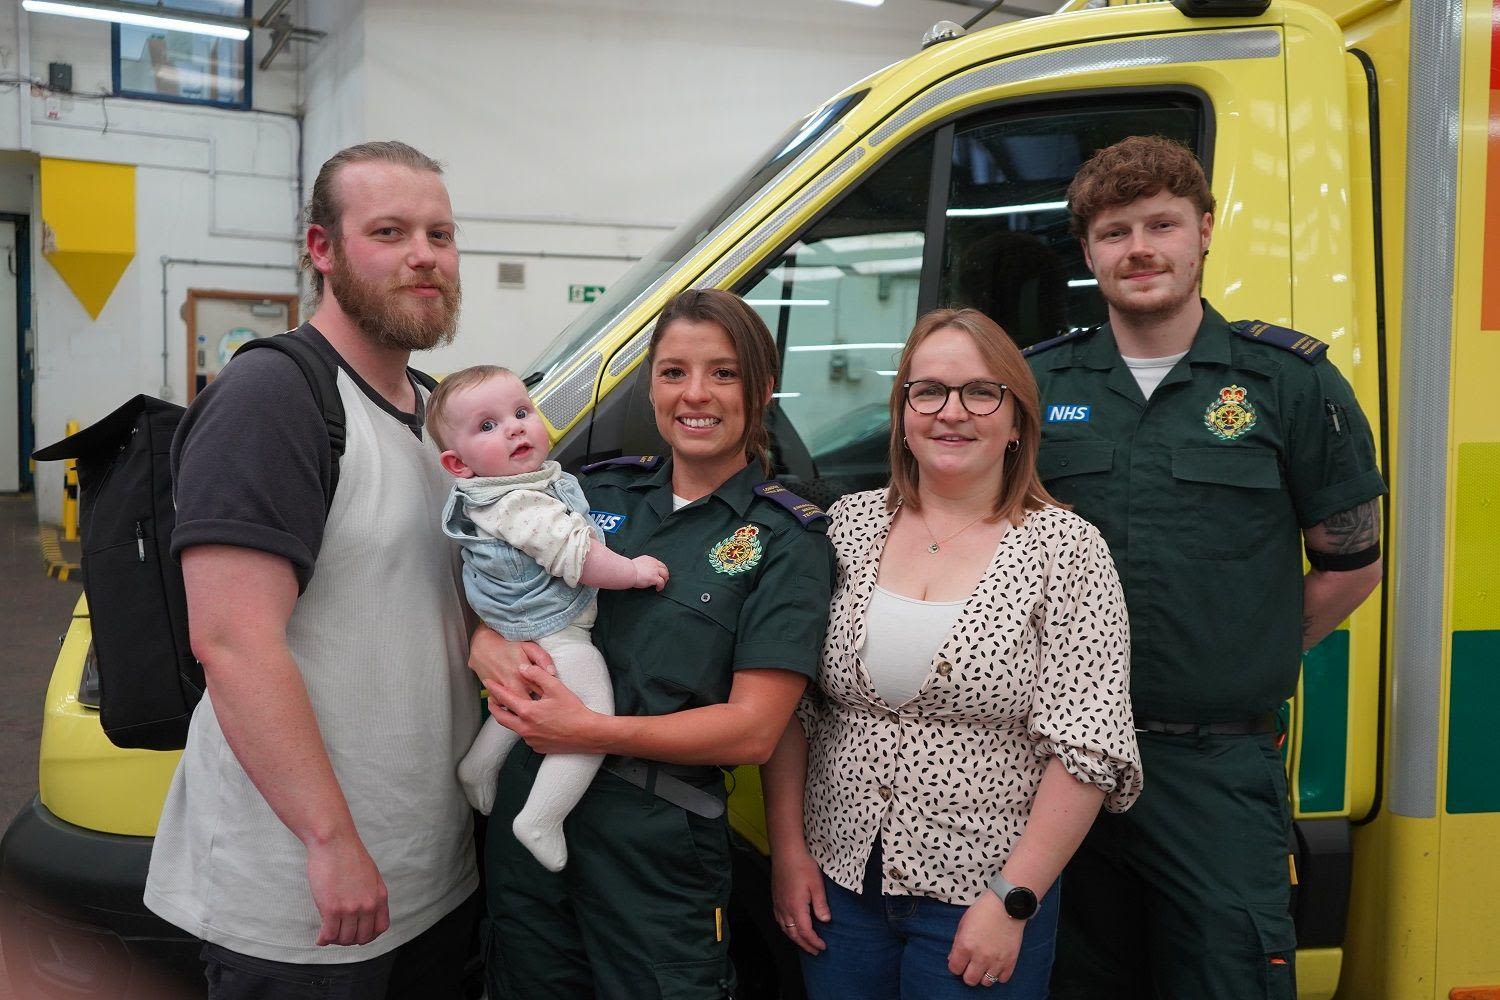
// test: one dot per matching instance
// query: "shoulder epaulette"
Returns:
(1047, 345)
(805, 513)
(1305, 347)
(645, 463)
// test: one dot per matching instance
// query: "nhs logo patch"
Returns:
(1068, 413)
(607, 522)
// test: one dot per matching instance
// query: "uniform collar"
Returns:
(1210, 344)
(737, 491)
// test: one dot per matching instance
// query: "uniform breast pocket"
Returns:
(1079, 473)
(699, 620)
(1233, 500)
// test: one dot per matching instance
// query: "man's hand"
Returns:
(649, 572)
(498, 661)
(348, 891)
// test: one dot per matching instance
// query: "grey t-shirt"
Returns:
(378, 636)
(269, 490)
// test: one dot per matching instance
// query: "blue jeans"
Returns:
(896, 948)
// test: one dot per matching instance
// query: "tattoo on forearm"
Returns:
(1352, 530)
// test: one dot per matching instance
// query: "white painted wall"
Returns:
(210, 185)
(567, 126)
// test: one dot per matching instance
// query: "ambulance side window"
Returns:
(840, 302)
(1006, 250)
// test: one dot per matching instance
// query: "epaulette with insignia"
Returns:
(805, 513)
(1305, 347)
(646, 463)
(1047, 345)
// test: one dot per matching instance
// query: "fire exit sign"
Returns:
(584, 293)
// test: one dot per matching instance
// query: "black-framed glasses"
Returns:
(980, 397)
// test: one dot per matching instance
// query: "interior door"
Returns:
(10, 368)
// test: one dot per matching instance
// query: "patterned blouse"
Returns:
(1037, 666)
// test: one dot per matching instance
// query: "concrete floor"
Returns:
(33, 615)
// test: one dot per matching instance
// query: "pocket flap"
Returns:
(1251, 468)
(691, 980)
(1074, 458)
(719, 603)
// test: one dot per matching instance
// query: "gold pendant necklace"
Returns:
(938, 542)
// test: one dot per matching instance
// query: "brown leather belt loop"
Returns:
(1250, 727)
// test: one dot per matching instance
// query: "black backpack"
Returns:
(149, 680)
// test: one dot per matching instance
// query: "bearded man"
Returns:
(315, 835)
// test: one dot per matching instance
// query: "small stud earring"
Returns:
(1015, 445)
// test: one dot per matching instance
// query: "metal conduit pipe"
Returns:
(166, 262)
(561, 220)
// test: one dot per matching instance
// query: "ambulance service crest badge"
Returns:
(1231, 415)
(738, 553)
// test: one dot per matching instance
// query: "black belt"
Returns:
(1250, 727)
(665, 782)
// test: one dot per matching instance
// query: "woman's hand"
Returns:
(547, 714)
(497, 661)
(988, 940)
(797, 896)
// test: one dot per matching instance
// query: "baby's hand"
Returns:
(649, 572)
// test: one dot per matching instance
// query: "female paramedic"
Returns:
(972, 712)
(706, 673)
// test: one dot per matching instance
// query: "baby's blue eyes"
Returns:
(487, 426)
(522, 413)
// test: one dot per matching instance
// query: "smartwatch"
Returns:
(1019, 901)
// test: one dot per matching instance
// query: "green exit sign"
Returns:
(584, 293)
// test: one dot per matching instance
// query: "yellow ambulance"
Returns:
(1354, 149)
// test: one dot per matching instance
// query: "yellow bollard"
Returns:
(70, 492)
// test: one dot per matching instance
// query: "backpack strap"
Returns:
(322, 379)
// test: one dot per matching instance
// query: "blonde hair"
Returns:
(1021, 489)
(451, 386)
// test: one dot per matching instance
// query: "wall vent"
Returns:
(512, 274)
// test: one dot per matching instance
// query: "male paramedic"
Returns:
(1211, 455)
(315, 835)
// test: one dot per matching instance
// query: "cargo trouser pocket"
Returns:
(1278, 940)
(693, 980)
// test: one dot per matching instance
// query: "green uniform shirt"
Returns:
(749, 588)
(1201, 493)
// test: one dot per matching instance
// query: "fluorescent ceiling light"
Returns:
(1038, 206)
(894, 265)
(874, 241)
(866, 3)
(786, 395)
(844, 347)
(1083, 282)
(143, 19)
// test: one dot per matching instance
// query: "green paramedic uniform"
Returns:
(641, 909)
(1202, 494)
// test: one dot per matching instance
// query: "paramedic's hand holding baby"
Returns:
(533, 563)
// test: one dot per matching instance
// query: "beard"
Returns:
(1181, 294)
(392, 318)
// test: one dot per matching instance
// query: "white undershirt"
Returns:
(1149, 372)
(902, 635)
(678, 503)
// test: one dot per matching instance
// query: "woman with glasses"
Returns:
(972, 712)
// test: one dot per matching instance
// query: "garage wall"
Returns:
(593, 127)
(210, 185)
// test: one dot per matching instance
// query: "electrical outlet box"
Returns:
(60, 76)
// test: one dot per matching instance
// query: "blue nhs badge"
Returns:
(1068, 413)
(607, 522)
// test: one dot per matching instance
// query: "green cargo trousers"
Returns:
(640, 911)
(1186, 895)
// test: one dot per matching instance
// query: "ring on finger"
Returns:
(990, 979)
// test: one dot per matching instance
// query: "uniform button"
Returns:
(885, 792)
(896, 873)
(705, 598)
(1063, 462)
(943, 669)
(892, 717)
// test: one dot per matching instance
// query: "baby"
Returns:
(533, 564)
